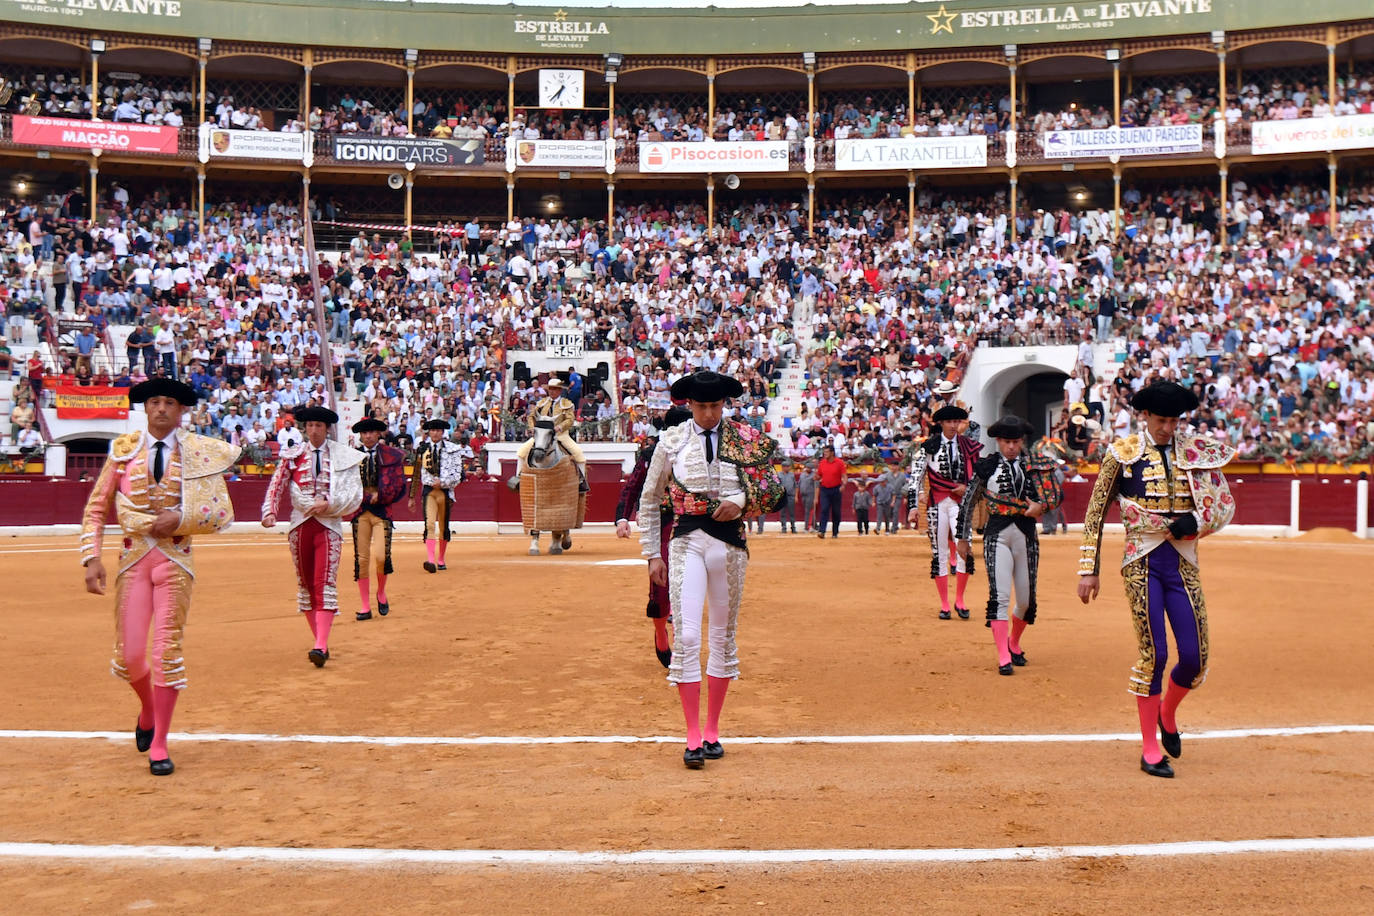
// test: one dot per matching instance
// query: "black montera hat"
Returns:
(163, 388)
(706, 386)
(1165, 399)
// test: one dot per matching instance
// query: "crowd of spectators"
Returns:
(1187, 99)
(883, 311)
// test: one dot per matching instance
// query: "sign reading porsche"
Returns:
(424, 153)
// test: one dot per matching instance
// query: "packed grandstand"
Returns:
(1141, 204)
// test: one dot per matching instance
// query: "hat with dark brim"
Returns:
(369, 425)
(163, 388)
(706, 387)
(436, 424)
(950, 412)
(316, 415)
(1165, 399)
(1010, 427)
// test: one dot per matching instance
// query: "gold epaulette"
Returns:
(126, 446)
(1128, 449)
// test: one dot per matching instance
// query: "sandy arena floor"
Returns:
(837, 638)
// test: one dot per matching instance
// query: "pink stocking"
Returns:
(363, 591)
(690, 694)
(715, 702)
(661, 640)
(381, 588)
(1018, 626)
(429, 549)
(443, 550)
(164, 702)
(961, 583)
(324, 622)
(144, 688)
(1148, 707)
(999, 638)
(310, 619)
(1168, 710)
(942, 586)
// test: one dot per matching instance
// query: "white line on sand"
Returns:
(496, 740)
(559, 858)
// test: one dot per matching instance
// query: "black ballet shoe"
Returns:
(694, 758)
(1161, 769)
(162, 767)
(961, 611)
(1018, 659)
(665, 656)
(1004, 670)
(430, 567)
(383, 608)
(364, 615)
(1172, 741)
(143, 738)
(441, 567)
(712, 750)
(944, 615)
(318, 656)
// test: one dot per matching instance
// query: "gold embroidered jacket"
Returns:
(1153, 490)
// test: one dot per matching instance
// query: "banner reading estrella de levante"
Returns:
(112, 136)
(1312, 135)
(700, 158)
(86, 402)
(911, 153)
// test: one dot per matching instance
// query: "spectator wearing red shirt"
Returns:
(830, 472)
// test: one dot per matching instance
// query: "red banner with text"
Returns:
(114, 136)
(87, 402)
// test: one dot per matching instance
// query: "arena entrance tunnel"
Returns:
(1026, 381)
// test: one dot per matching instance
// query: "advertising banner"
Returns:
(87, 402)
(694, 158)
(1312, 135)
(71, 133)
(251, 144)
(425, 153)
(911, 153)
(1124, 141)
(560, 154)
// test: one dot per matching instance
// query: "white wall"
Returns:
(994, 372)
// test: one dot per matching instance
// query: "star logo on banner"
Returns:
(560, 15)
(941, 21)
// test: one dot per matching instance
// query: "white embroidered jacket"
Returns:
(339, 482)
(681, 453)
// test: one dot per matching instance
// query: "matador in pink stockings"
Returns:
(162, 487)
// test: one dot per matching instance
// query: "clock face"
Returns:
(561, 88)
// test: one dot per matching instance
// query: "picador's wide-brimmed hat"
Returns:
(436, 424)
(1165, 399)
(706, 386)
(554, 382)
(950, 412)
(369, 425)
(163, 388)
(316, 415)
(1010, 427)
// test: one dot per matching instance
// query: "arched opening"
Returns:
(1038, 398)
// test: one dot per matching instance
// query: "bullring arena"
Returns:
(445, 213)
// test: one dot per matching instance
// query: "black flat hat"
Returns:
(706, 386)
(163, 388)
(675, 416)
(436, 424)
(316, 415)
(369, 425)
(1165, 399)
(1010, 427)
(950, 412)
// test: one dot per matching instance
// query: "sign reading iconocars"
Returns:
(401, 150)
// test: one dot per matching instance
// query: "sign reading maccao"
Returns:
(692, 27)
